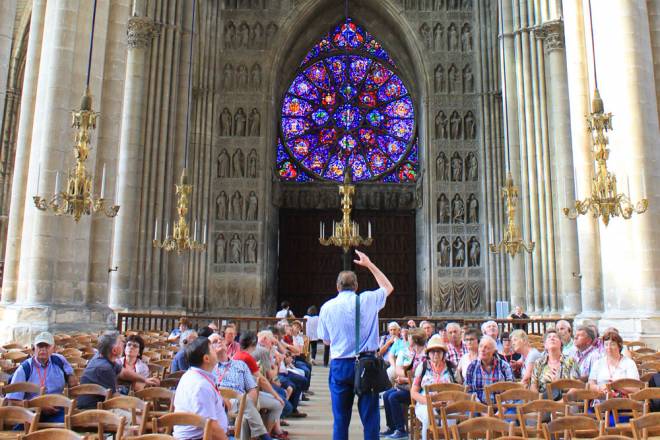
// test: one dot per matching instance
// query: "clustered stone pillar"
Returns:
(7, 16)
(123, 288)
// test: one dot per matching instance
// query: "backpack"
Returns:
(450, 369)
(26, 365)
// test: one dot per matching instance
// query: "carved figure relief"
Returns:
(456, 168)
(225, 122)
(454, 80)
(252, 206)
(221, 206)
(271, 30)
(472, 167)
(243, 35)
(241, 78)
(443, 209)
(470, 127)
(255, 77)
(468, 80)
(235, 249)
(444, 248)
(439, 5)
(228, 77)
(220, 249)
(425, 33)
(466, 38)
(223, 164)
(237, 206)
(453, 5)
(452, 38)
(254, 123)
(442, 167)
(467, 5)
(252, 164)
(257, 36)
(438, 37)
(439, 79)
(473, 209)
(458, 252)
(229, 35)
(238, 164)
(455, 122)
(250, 250)
(474, 252)
(457, 210)
(239, 122)
(441, 125)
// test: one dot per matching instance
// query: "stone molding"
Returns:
(552, 34)
(140, 32)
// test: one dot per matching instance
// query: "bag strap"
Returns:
(357, 325)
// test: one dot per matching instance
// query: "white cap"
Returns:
(44, 338)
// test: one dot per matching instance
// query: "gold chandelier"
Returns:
(78, 197)
(605, 200)
(512, 243)
(345, 234)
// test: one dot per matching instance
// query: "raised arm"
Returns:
(380, 277)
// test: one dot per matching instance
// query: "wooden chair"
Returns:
(52, 400)
(88, 389)
(170, 383)
(644, 350)
(96, 421)
(513, 437)
(175, 375)
(14, 415)
(612, 437)
(565, 385)
(20, 387)
(435, 400)
(499, 387)
(15, 356)
(482, 427)
(161, 399)
(538, 412)
(455, 413)
(580, 402)
(642, 425)
(569, 427)
(621, 384)
(414, 425)
(156, 370)
(618, 408)
(153, 437)
(509, 401)
(71, 353)
(228, 393)
(167, 422)
(138, 408)
(645, 396)
(650, 366)
(52, 434)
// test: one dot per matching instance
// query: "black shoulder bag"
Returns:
(370, 370)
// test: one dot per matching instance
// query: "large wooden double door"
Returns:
(307, 271)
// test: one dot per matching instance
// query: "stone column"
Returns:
(131, 153)
(19, 196)
(579, 98)
(552, 34)
(7, 18)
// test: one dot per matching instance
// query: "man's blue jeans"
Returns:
(396, 403)
(341, 380)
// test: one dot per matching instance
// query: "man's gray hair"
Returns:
(421, 324)
(488, 339)
(393, 324)
(563, 321)
(183, 340)
(107, 342)
(485, 324)
(454, 324)
(588, 330)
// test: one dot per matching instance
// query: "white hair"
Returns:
(489, 340)
(264, 334)
(394, 324)
(486, 324)
(453, 324)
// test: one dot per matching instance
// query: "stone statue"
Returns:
(443, 209)
(241, 78)
(438, 37)
(466, 38)
(252, 204)
(454, 80)
(444, 248)
(238, 164)
(271, 30)
(250, 249)
(474, 256)
(439, 79)
(220, 249)
(257, 36)
(442, 167)
(459, 252)
(468, 80)
(237, 206)
(243, 35)
(467, 5)
(254, 123)
(221, 206)
(239, 122)
(452, 38)
(228, 77)
(471, 167)
(455, 122)
(225, 122)
(252, 164)
(457, 210)
(470, 127)
(425, 32)
(473, 209)
(453, 4)
(230, 35)
(223, 164)
(235, 249)
(441, 125)
(255, 77)
(456, 168)
(439, 5)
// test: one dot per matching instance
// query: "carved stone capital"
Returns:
(140, 32)
(552, 34)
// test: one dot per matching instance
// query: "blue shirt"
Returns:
(235, 375)
(54, 377)
(197, 394)
(337, 322)
(180, 362)
(100, 371)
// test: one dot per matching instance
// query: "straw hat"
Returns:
(435, 343)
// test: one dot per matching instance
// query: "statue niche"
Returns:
(425, 32)
(250, 250)
(221, 206)
(457, 210)
(441, 122)
(458, 253)
(471, 168)
(239, 122)
(473, 209)
(252, 164)
(235, 249)
(444, 248)
(438, 37)
(220, 249)
(237, 206)
(456, 168)
(225, 122)
(252, 204)
(474, 252)
(444, 209)
(223, 164)
(442, 167)
(238, 164)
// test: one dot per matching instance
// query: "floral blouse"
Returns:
(542, 374)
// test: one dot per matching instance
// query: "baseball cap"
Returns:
(44, 338)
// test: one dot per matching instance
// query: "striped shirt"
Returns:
(337, 322)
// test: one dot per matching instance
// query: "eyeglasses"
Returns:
(133, 345)
(469, 340)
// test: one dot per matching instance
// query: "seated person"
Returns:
(184, 324)
(231, 343)
(471, 344)
(523, 366)
(104, 370)
(552, 365)
(487, 369)
(180, 362)
(132, 360)
(507, 351)
(197, 393)
(612, 366)
(48, 370)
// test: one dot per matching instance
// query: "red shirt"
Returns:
(288, 339)
(248, 359)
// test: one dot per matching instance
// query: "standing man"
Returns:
(337, 329)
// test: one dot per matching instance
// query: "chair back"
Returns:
(538, 411)
(569, 427)
(16, 415)
(161, 399)
(168, 421)
(154, 437)
(15, 356)
(156, 370)
(458, 412)
(441, 387)
(90, 389)
(52, 434)
(482, 427)
(646, 425)
(617, 408)
(98, 421)
(228, 393)
(138, 408)
(508, 402)
(50, 401)
(22, 387)
(646, 395)
(580, 401)
(498, 387)
(564, 385)
(623, 385)
(175, 375)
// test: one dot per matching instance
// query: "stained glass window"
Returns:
(347, 107)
